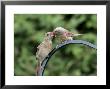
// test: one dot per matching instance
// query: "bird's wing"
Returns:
(39, 46)
(37, 51)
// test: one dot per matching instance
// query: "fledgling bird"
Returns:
(64, 34)
(44, 48)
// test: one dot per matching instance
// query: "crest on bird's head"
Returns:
(59, 31)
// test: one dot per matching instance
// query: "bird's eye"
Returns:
(47, 34)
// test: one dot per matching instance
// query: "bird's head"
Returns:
(49, 35)
(58, 31)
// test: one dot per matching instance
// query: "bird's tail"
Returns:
(77, 34)
(71, 34)
(38, 68)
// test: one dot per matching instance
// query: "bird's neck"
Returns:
(47, 40)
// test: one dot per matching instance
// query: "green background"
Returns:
(71, 60)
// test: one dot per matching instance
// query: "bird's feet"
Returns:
(57, 46)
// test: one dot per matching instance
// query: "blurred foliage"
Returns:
(71, 60)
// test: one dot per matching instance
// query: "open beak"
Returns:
(52, 34)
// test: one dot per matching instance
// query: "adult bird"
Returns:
(63, 34)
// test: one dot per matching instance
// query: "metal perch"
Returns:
(44, 63)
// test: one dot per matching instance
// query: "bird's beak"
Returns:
(77, 34)
(52, 34)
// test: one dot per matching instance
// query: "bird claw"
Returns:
(57, 46)
(41, 68)
(47, 56)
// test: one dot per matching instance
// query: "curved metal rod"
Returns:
(44, 63)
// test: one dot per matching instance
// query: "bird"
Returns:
(63, 34)
(44, 48)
